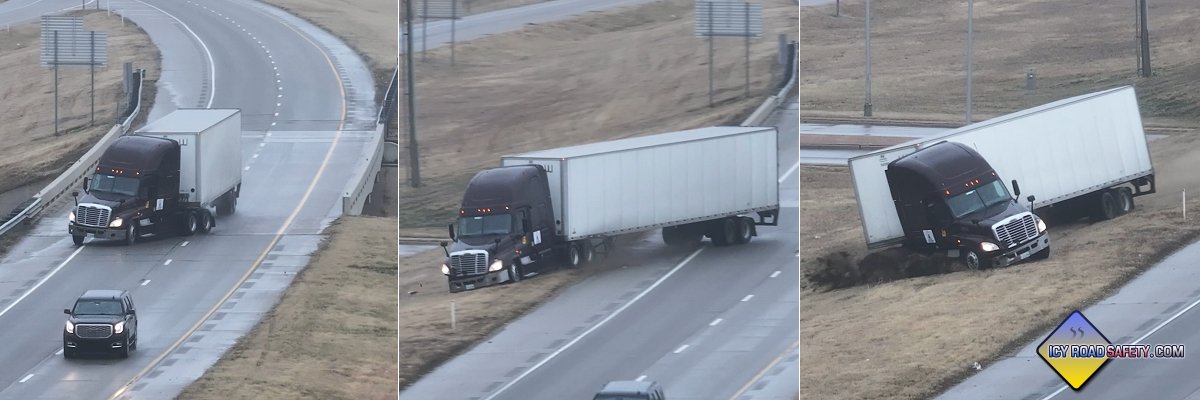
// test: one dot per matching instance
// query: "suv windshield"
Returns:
(982, 197)
(98, 307)
(121, 185)
(485, 225)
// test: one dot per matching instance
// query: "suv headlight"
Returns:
(116, 223)
(119, 327)
(70, 327)
(445, 269)
(496, 265)
(71, 216)
(988, 246)
(1041, 225)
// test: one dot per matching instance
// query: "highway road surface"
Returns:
(707, 323)
(1159, 307)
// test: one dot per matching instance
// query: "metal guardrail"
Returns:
(771, 103)
(74, 174)
(358, 191)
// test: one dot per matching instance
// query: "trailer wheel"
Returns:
(1107, 206)
(723, 232)
(1124, 201)
(189, 224)
(745, 231)
(78, 239)
(671, 235)
(227, 205)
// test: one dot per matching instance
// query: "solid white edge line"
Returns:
(1139, 340)
(212, 66)
(680, 349)
(44, 279)
(593, 328)
(789, 172)
(26, 378)
(59, 352)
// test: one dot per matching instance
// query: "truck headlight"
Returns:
(496, 266)
(1041, 225)
(988, 246)
(445, 269)
(116, 223)
(71, 216)
(119, 327)
(70, 327)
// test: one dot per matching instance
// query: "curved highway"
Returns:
(706, 323)
(308, 109)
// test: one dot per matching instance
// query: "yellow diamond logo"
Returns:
(1075, 350)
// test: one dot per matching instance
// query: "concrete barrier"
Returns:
(771, 103)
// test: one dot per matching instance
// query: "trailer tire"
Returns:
(723, 232)
(227, 205)
(745, 230)
(1106, 207)
(189, 224)
(1124, 201)
(78, 239)
(672, 236)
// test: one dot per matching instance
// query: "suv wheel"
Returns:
(68, 353)
(123, 352)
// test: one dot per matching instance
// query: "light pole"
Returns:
(970, 52)
(867, 104)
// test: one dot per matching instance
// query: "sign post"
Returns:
(715, 18)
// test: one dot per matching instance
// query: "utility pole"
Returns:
(970, 53)
(413, 156)
(867, 104)
(1145, 38)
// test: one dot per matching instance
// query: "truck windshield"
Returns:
(98, 307)
(982, 197)
(121, 185)
(485, 225)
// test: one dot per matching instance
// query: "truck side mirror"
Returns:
(1030, 198)
(451, 228)
(1016, 189)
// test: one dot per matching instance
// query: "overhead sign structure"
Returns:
(437, 9)
(64, 42)
(724, 18)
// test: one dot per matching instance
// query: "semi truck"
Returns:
(544, 208)
(951, 192)
(176, 174)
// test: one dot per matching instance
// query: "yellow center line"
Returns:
(760, 374)
(274, 240)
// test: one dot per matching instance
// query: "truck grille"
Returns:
(98, 331)
(470, 262)
(92, 215)
(1017, 231)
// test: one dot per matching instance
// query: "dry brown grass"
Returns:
(598, 77)
(918, 57)
(890, 340)
(346, 301)
(31, 151)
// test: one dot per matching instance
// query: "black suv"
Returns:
(102, 320)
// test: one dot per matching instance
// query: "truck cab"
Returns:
(948, 197)
(505, 228)
(130, 191)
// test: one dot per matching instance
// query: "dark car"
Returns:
(631, 390)
(101, 320)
